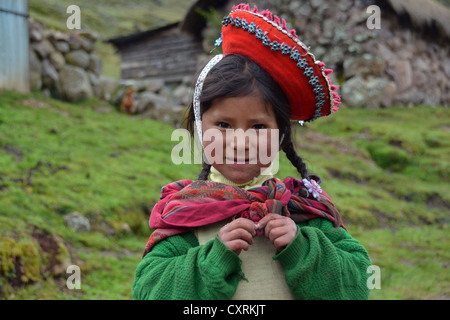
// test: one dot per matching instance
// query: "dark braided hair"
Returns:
(295, 159)
(205, 171)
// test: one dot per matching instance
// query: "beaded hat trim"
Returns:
(265, 39)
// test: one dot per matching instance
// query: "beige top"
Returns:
(265, 276)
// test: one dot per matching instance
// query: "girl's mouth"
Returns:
(239, 161)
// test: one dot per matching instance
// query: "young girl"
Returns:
(239, 232)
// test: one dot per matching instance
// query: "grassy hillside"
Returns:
(58, 158)
(109, 19)
(387, 171)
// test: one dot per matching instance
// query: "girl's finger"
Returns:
(242, 223)
(263, 222)
(272, 232)
(237, 246)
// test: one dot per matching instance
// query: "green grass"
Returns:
(393, 163)
(413, 261)
(110, 18)
(387, 171)
(57, 158)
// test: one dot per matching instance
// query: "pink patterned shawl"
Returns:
(187, 204)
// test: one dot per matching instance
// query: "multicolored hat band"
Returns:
(264, 38)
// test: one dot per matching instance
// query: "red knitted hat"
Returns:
(264, 38)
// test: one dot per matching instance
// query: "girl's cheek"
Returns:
(214, 142)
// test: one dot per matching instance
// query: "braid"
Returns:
(298, 163)
(205, 172)
(294, 158)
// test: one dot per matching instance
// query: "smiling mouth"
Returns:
(240, 161)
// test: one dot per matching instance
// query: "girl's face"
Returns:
(239, 137)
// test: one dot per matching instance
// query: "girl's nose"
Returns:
(240, 142)
(239, 139)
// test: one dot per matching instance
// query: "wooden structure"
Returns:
(14, 65)
(165, 53)
(168, 53)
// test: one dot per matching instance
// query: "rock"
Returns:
(371, 92)
(43, 48)
(61, 46)
(446, 63)
(149, 101)
(387, 96)
(158, 107)
(109, 86)
(57, 59)
(420, 64)
(58, 36)
(328, 30)
(35, 31)
(333, 56)
(77, 221)
(419, 78)
(96, 84)
(88, 35)
(189, 81)
(363, 65)
(352, 92)
(170, 114)
(154, 85)
(293, 6)
(74, 41)
(95, 65)
(78, 58)
(35, 71)
(74, 83)
(384, 52)
(182, 95)
(87, 45)
(315, 3)
(49, 74)
(433, 97)
(401, 71)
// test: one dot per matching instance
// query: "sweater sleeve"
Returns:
(178, 268)
(324, 264)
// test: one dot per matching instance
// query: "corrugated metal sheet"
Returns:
(14, 65)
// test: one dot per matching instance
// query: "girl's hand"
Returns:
(238, 234)
(280, 230)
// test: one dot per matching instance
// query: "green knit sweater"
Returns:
(319, 264)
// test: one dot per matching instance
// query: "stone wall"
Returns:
(398, 64)
(64, 66)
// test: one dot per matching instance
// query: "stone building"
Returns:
(404, 62)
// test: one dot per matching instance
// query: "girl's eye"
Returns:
(259, 126)
(223, 125)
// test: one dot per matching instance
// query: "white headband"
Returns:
(198, 93)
